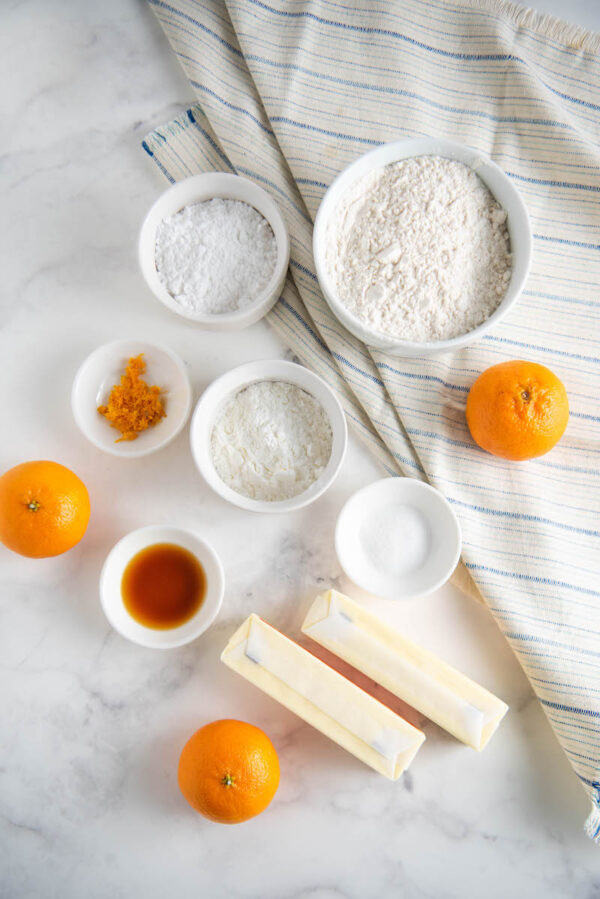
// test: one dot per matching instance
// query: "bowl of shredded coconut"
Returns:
(269, 436)
(214, 248)
(421, 246)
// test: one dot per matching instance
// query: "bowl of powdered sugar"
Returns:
(269, 436)
(214, 249)
(421, 246)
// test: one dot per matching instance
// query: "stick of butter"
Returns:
(459, 705)
(322, 697)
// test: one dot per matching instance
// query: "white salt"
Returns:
(395, 539)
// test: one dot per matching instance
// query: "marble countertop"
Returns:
(91, 726)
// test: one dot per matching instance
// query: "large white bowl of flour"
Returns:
(421, 246)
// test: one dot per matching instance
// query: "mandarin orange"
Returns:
(44, 509)
(229, 771)
(517, 410)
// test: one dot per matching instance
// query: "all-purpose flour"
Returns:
(419, 249)
(215, 257)
(271, 441)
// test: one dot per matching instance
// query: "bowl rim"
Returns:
(197, 189)
(418, 486)
(236, 379)
(114, 449)
(142, 635)
(407, 148)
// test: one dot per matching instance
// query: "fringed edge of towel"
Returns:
(592, 825)
(576, 37)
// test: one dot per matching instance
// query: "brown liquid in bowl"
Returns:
(163, 586)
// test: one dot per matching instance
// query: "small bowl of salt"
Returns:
(214, 249)
(398, 538)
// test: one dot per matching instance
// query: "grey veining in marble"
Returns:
(91, 726)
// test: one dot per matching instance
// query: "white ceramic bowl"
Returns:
(501, 187)
(197, 189)
(232, 382)
(103, 368)
(398, 538)
(112, 575)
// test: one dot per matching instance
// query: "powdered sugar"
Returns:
(215, 257)
(419, 249)
(271, 441)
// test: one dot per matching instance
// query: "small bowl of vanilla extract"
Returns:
(161, 586)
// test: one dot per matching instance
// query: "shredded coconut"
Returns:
(215, 257)
(271, 441)
(419, 249)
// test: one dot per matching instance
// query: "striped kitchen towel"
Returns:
(289, 93)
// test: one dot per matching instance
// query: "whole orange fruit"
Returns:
(517, 410)
(229, 771)
(44, 509)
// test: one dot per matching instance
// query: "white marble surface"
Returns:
(91, 726)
